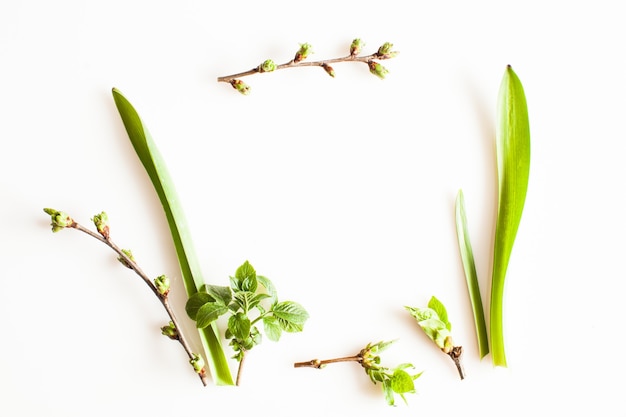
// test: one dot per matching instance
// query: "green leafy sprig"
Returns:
(248, 293)
(434, 322)
(394, 381)
(385, 51)
(160, 285)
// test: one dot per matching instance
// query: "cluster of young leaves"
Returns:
(394, 380)
(248, 293)
(434, 321)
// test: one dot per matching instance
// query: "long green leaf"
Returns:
(467, 257)
(192, 278)
(513, 157)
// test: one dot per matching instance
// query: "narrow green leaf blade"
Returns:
(157, 171)
(513, 157)
(471, 277)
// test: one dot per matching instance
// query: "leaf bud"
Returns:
(102, 224)
(59, 219)
(385, 52)
(356, 47)
(377, 69)
(303, 53)
(162, 284)
(198, 363)
(329, 70)
(448, 345)
(130, 256)
(170, 331)
(267, 66)
(240, 86)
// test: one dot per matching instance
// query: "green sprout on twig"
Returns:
(394, 380)
(434, 321)
(385, 51)
(160, 286)
(248, 292)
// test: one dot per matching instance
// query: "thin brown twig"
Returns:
(295, 64)
(319, 364)
(162, 297)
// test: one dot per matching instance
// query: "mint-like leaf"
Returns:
(208, 313)
(272, 328)
(290, 315)
(239, 326)
(196, 301)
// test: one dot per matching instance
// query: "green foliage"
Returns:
(513, 157)
(471, 277)
(434, 321)
(158, 173)
(250, 299)
(394, 380)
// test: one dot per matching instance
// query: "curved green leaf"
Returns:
(513, 157)
(467, 257)
(157, 171)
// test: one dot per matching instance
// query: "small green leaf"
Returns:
(208, 313)
(388, 392)
(272, 328)
(290, 315)
(239, 326)
(421, 314)
(402, 382)
(380, 346)
(245, 300)
(195, 302)
(245, 278)
(269, 288)
(221, 295)
(441, 311)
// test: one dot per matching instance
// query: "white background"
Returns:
(339, 190)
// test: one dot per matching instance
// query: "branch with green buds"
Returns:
(394, 380)
(248, 292)
(299, 60)
(160, 286)
(434, 321)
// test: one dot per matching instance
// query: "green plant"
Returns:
(469, 266)
(513, 162)
(394, 380)
(248, 293)
(157, 171)
(434, 322)
(160, 286)
(299, 60)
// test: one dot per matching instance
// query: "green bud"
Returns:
(162, 284)
(303, 53)
(385, 52)
(59, 220)
(240, 86)
(170, 331)
(198, 363)
(267, 66)
(356, 47)
(329, 70)
(448, 345)
(102, 224)
(377, 69)
(124, 262)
